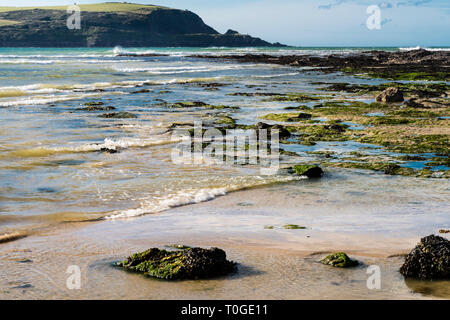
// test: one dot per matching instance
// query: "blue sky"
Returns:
(315, 22)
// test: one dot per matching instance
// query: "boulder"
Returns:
(429, 260)
(283, 133)
(339, 260)
(391, 94)
(185, 263)
(311, 171)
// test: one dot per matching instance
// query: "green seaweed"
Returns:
(293, 227)
(287, 117)
(118, 115)
(339, 260)
(311, 171)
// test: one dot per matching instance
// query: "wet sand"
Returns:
(375, 222)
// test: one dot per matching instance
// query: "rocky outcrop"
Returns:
(155, 27)
(429, 260)
(391, 94)
(185, 263)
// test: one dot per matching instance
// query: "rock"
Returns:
(262, 125)
(391, 169)
(339, 260)
(426, 103)
(118, 115)
(108, 150)
(414, 103)
(231, 32)
(187, 263)
(391, 94)
(311, 171)
(141, 91)
(94, 104)
(429, 260)
(300, 116)
(283, 133)
(444, 231)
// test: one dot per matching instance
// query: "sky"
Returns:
(309, 23)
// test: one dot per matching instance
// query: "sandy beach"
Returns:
(272, 263)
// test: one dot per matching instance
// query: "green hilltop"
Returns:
(113, 24)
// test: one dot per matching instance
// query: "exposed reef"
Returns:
(400, 65)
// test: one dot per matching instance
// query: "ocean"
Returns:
(82, 188)
(53, 164)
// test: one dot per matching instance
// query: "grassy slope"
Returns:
(99, 7)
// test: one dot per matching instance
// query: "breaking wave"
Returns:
(156, 204)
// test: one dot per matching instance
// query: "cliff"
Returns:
(114, 24)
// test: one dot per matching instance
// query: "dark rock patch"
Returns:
(187, 263)
(339, 260)
(429, 260)
(311, 171)
(391, 94)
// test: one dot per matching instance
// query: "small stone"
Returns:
(118, 115)
(391, 169)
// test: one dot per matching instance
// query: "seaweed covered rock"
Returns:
(118, 115)
(391, 94)
(339, 260)
(283, 133)
(311, 171)
(429, 260)
(187, 263)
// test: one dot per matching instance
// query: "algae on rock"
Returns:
(187, 263)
